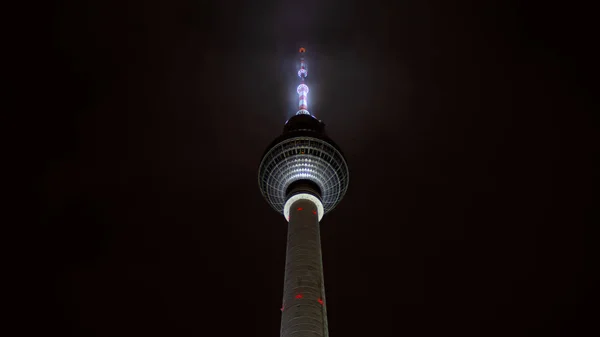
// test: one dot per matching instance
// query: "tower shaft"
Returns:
(303, 311)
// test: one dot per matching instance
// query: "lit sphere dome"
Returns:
(303, 160)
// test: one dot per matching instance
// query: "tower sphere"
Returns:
(303, 160)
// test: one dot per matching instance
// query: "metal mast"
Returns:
(302, 89)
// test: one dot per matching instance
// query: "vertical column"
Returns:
(303, 309)
(302, 91)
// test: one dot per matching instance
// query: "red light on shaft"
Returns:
(300, 208)
(299, 296)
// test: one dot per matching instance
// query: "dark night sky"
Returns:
(461, 121)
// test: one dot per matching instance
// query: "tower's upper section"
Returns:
(303, 160)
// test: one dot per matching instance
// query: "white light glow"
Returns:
(302, 88)
(303, 196)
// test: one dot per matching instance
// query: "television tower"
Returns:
(303, 175)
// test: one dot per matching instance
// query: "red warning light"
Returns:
(300, 208)
(299, 296)
(320, 301)
(302, 50)
(315, 212)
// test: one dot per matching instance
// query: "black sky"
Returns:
(461, 121)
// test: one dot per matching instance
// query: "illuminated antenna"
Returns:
(302, 88)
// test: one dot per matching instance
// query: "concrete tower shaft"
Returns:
(303, 311)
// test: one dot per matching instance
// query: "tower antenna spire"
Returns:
(302, 88)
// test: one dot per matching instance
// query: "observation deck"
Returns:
(303, 160)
